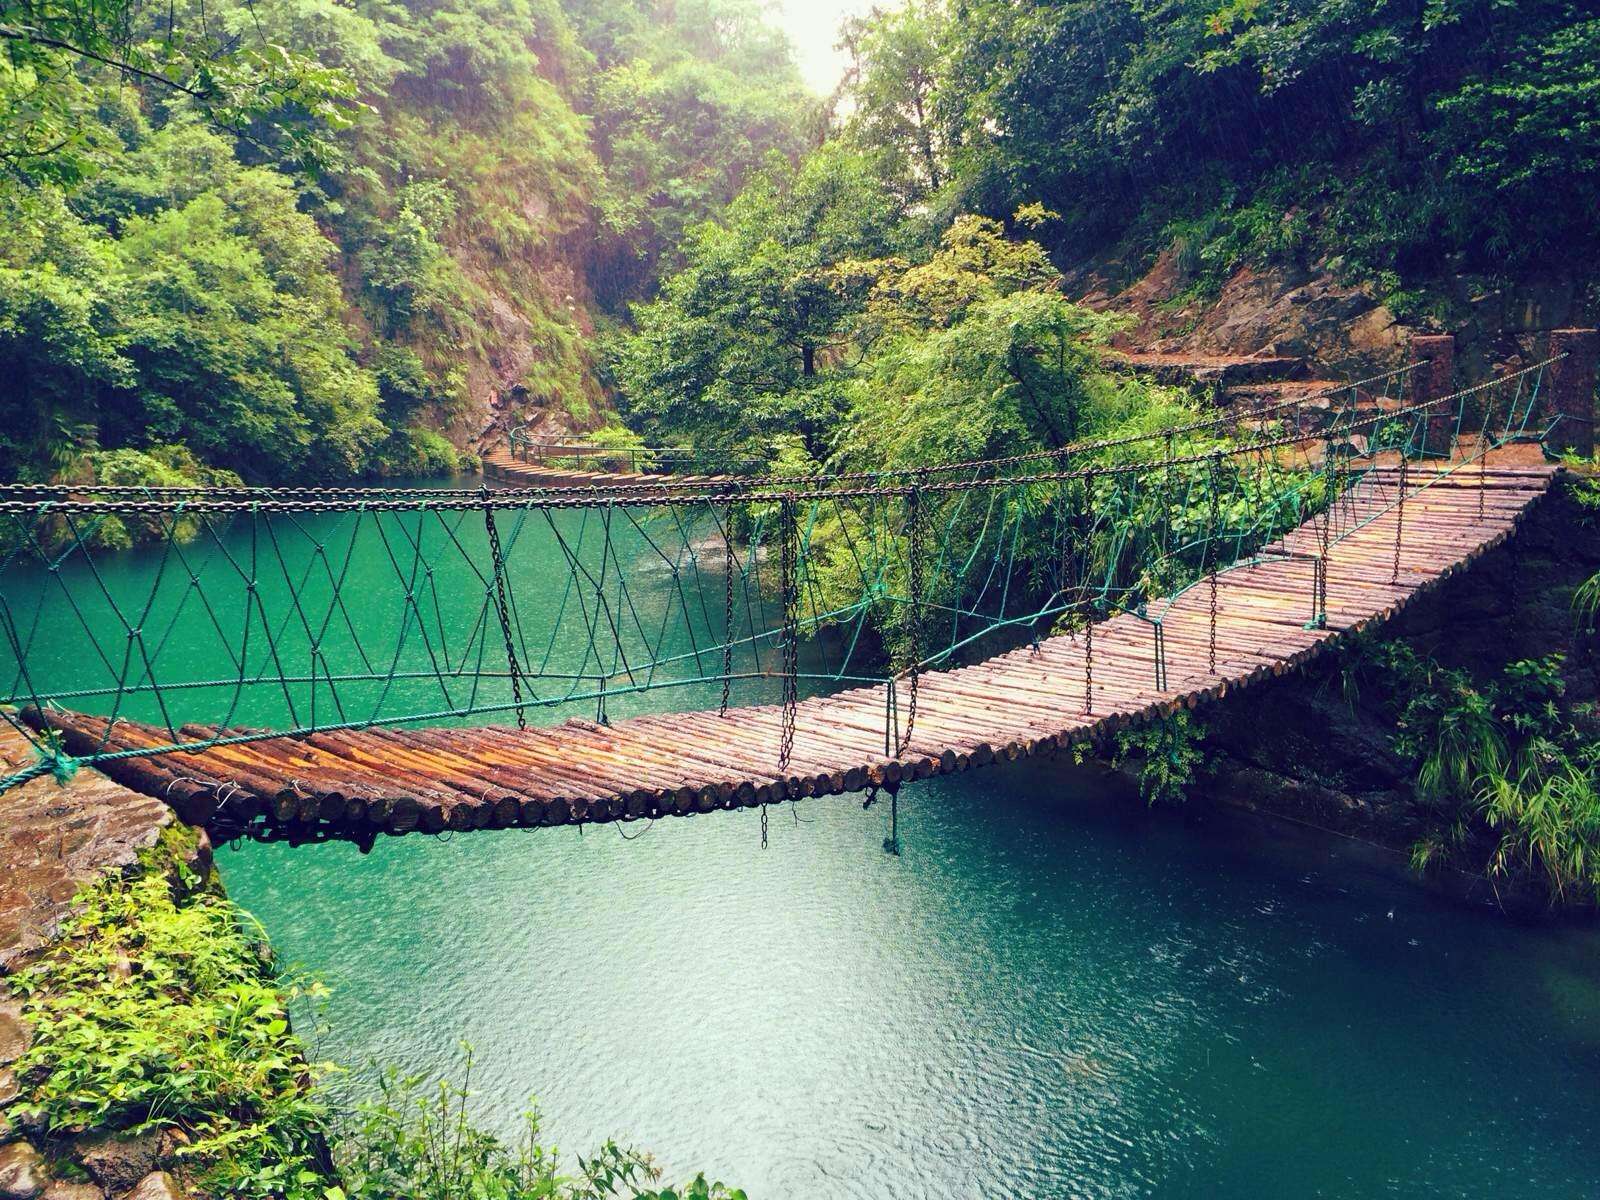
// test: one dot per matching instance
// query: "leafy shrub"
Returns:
(417, 1142)
(1167, 752)
(152, 467)
(418, 451)
(157, 1012)
(1497, 761)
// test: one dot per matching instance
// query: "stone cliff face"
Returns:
(1275, 311)
(1341, 330)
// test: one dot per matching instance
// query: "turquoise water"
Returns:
(1046, 995)
(1049, 994)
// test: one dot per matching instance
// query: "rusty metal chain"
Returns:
(502, 605)
(218, 500)
(1088, 633)
(1399, 518)
(1168, 490)
(789, 553)
(727, 615)
(1211, 555)
(914, 570)
(360, 496)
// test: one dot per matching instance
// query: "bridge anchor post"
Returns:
(1571, 385)
(1434, 356)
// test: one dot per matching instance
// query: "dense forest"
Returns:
(308, 241)
(1425, 152)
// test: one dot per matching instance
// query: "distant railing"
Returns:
(638, 460)
(237, 624)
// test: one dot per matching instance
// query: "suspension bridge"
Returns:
(310, 663)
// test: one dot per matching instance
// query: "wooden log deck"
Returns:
(1028, 701)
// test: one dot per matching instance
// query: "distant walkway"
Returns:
(1259, 618)
(501, 465)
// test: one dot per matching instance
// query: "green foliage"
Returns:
(404, 262)
(164, 282)
(1498, 763)
(1167, 752)
(1400, 138)
(896, 70)
(687, 101)
(203, 312)
(416, 1141)
(972, 353)
(155, 467)
(741, 344)
(158, 1011)
(419, 452)
(780, 335)
(54, 56)
(1585, 490)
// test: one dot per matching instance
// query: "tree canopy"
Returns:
(1411, 132)
(300, 237)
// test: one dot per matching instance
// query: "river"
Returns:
(1050, 993)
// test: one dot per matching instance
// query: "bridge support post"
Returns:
(1434, 355)
(1571, 384)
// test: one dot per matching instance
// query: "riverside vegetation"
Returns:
(159, 1016)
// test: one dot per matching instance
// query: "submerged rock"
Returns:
(62, 1190)
(157, 1185)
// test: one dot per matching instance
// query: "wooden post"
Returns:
(1571, 384)
(1435, 376)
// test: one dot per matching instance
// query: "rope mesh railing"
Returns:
(256, 614)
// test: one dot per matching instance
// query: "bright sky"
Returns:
(813, 27)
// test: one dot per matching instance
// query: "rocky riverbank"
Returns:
(122, 968)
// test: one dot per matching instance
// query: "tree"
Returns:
(896, 64)
(53, 53)
(974, 353)
(744, 341)
(687, 104)
(210, 317)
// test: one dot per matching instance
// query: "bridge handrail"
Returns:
(761, 491)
